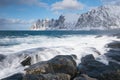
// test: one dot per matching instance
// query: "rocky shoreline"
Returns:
(64, 67)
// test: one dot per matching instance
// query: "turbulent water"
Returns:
(44, 45)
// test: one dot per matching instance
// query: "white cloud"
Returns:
(67, 5)
(15, 24)
(4, 21)
(111, 2)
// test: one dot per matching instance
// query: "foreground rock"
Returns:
(18, 76)
(39, 68)
(98, 70)
(2, 57)
(64, 64)
(90, 66)
(84, 77)
(114, 52)
(27, 61)
(114, 45)
(49, 76)
(59, 64)
(113, 75)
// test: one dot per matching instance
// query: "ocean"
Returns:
(15, 46)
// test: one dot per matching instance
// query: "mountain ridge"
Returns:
(103, 17)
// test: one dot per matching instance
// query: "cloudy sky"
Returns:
(20, 14)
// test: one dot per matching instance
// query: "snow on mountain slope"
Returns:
(104, 17)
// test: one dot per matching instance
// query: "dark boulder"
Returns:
(114, 45)
(2, 57)
(26, 61)
(79, 78)
(96, 69)
(90, 62)
(18, 76)
(113, 66)
(90, 66)
(85, 60)
(74, 56)
(117, 35)
(110, 75)
(64, 64)
(113, 54)
(59, 64)
(49, 76)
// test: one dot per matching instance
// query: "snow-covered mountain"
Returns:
(104, 17)
(49, 24)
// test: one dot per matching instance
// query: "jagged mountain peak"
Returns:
(112, 9)
(103, 17)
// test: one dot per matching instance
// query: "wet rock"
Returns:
(79, 78)
(117, 35)
(96, 51)
(27, 61)
(90, 66)
(38, 68)
(59, 64)
(99, 71)
(114, 45)
(18, 76)
(87, 59)
(84, 77)
(49, 76)
(114, 58)
(113, 54)
(98, 36)
(113, 66)
(96, 69)
(64, 64)
(2, 57)
(110, 75)
(74, 56)
(90, 62)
